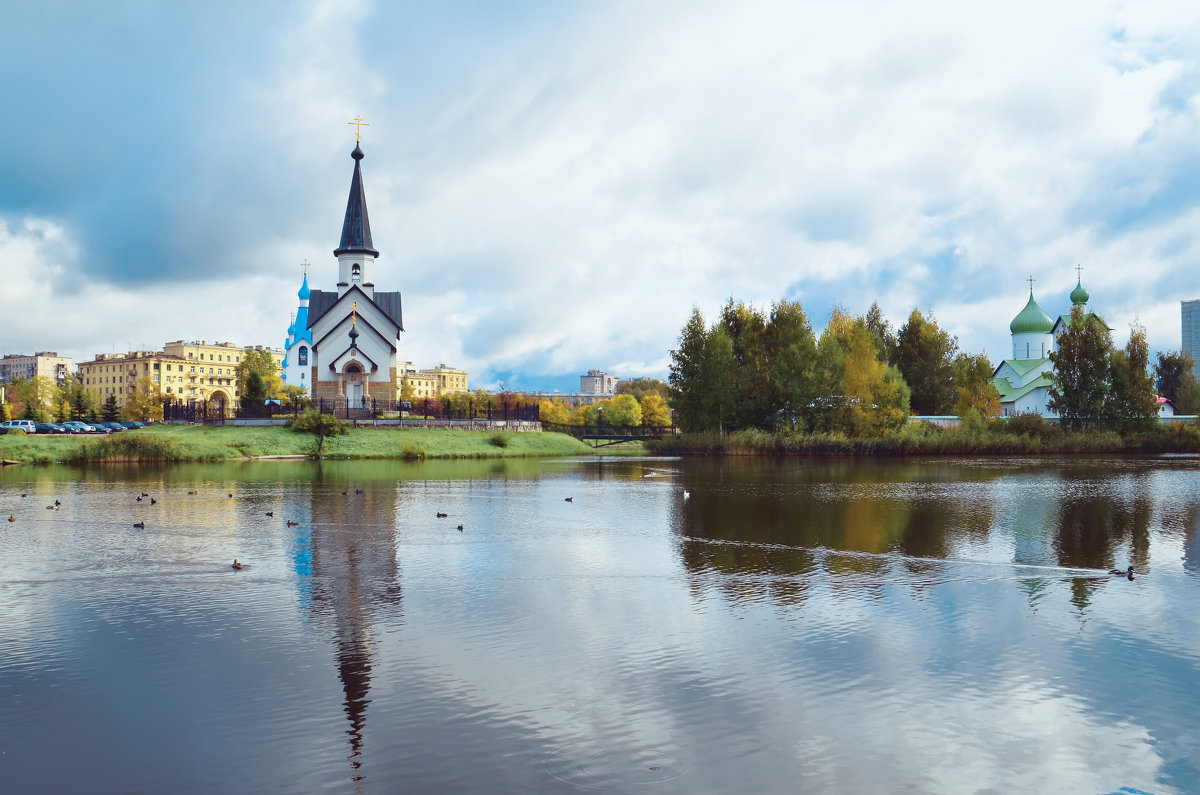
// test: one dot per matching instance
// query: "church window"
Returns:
(303, 356)
(1027, 350)
(355, 272)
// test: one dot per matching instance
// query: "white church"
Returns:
(1024, 381)
(342, 343)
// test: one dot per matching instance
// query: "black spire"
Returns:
(356, 229)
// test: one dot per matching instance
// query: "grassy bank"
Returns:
(167, 443)
(996, 438)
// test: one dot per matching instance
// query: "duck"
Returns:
(290, 523)
(193, 492)
(51, 507)
(12, 518)
(237, 565)
(1127, 573)
(230, 495)
(57, 503)
(139, 499)
(144, 494)
(25, 495)
(141, 525)
(270, 513)
(441, 515)
(358, 491)
(153, 501)
(569, 499)
(460, 528)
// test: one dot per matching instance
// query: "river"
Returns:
(613, 624)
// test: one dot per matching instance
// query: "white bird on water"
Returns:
(686, 494)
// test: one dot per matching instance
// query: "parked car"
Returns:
(112, 427)
(49, 427)
(23, 425)
(75, 426)
(132, 424)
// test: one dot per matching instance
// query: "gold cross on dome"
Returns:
(305, 266)
(354, 314)
(358, 125)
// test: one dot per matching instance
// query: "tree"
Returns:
(622, 411)
(973, 386)
(925, 355)
(1131, 404)
(253, 390)
(655, 411)
(262, 363)
(554, 411)
(1175, 379)
(296, 395)
(38, 394)
(109, 410)
(640, 387)
(408, 392)
(881, 333)
(875, 398)
(791, 366)
(750, 377)
(146, 402)
(701, 376)
(1081, 369)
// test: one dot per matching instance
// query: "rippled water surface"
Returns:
(641, 625)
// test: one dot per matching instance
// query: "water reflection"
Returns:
(354, 584)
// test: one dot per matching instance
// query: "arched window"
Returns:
(303, 356)
(355, 272)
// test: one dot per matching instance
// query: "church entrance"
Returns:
(354, 387)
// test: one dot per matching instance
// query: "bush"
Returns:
(312, 421)
(500, 438)
(1032, 425)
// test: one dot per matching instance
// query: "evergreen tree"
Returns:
(881, 333)
(746, 328)
(1081, 370)
(701, 374)
(110, 411)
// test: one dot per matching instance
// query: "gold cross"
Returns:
(354, 314)
(305, 266)
(358, 125)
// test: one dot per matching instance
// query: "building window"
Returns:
(303, 356)
(355, 272)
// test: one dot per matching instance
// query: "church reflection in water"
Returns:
(346, 560)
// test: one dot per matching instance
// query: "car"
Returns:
(49, 427)
(75, 426)
(19, 425)
(112, 427)
(133, 424)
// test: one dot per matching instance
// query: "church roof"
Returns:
(1009, 393)
(356, 229)
(321, 301)
(1031, 320)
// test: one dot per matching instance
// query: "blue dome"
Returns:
(304, 291)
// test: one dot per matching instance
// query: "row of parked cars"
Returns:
(70, 426)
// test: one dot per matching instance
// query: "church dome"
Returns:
(1031, 320)
(304, 291)
(1079, 295)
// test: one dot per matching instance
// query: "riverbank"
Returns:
(176, 443)
(1019, 438)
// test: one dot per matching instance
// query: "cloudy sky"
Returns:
(553, 186)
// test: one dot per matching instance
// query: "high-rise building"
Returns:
(1190, 314)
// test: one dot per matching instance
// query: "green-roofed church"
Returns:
(1024, 381)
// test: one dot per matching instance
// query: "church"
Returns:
(1024, 381)
(342, 344)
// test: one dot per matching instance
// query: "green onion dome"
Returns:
(1031, 320)
(1079, 295)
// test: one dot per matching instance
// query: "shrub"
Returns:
(1033, 425)
(312, 421)
(500, 438)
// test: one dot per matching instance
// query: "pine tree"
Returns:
(1081, 372)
